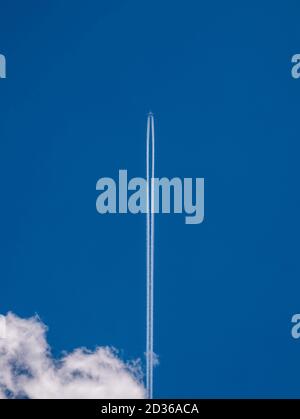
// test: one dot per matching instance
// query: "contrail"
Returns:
(150, 164)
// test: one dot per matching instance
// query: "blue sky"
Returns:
(81, 77)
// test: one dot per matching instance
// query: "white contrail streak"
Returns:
(150, 164)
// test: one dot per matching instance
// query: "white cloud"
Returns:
(27, 368)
